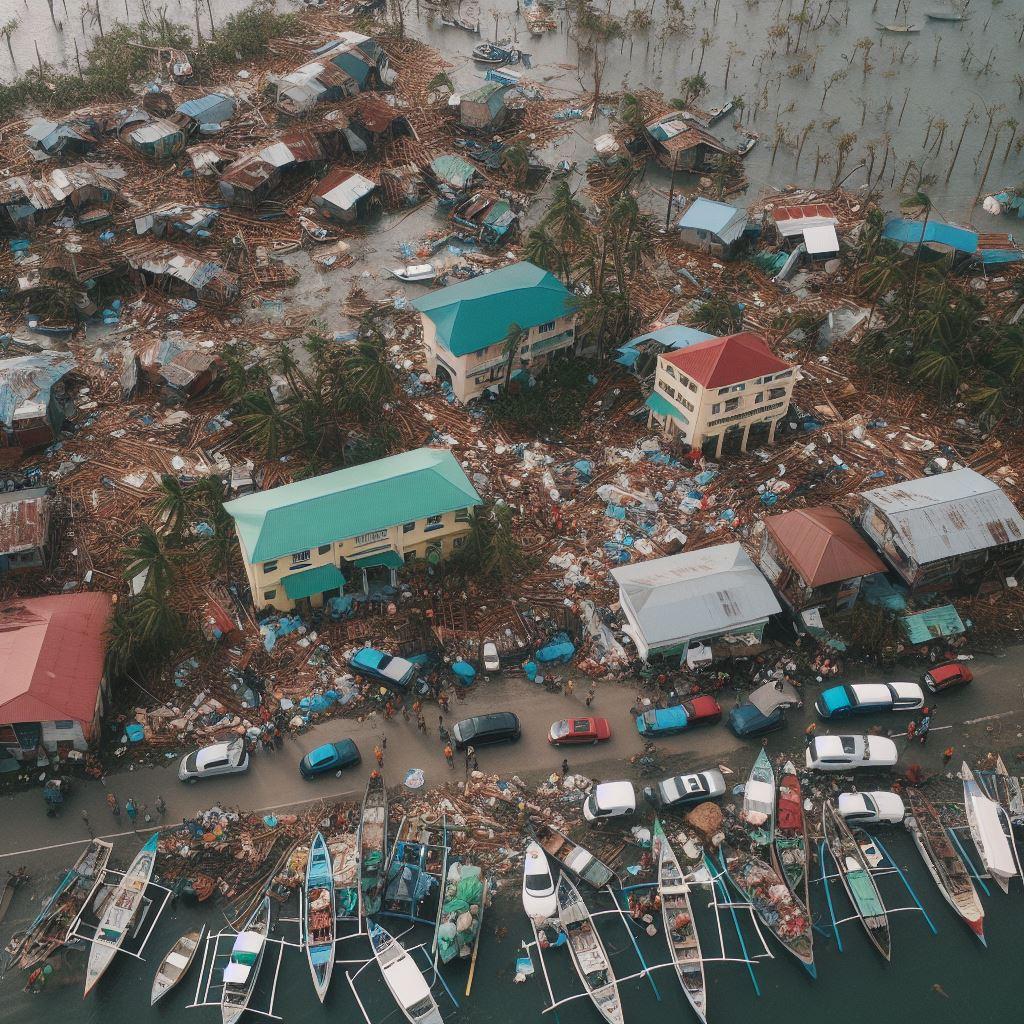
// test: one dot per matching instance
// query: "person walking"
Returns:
(590, 695)
(923, 729)
(88, 824)
(469, 758)
(569, 687)
(379, 755)
(161, 807)
(132, 811)
(278, 738)
(947, 756)
(442, 700)
(565, 766)
(809, 732)
(421, 723)
(115, 807)
(449, 755)
(911, 730)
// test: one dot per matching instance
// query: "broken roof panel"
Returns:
(28, 379)
(213, 108)
(453, 170)
(821, 239)
(795, 220)
(948, 514)
(24, 520)
(343, 188)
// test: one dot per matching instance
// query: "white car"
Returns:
(868, 699)
(610, 800)
(489, 656)
(872, 808)
(217, 759)
(844, 753)
(539, 899)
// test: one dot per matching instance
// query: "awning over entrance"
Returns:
(389, 559)
(313, 581)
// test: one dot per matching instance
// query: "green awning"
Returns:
(389, 559)
(313, 581)
(661, 406)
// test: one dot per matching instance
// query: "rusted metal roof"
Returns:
(822, 546)
(948, 514)
(24, 520)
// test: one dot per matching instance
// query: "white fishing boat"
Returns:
(403, 977)
(1008, 791)
(589, 957)
(176, 963)
(539, 900)
(416, 272)
(243, 967)
(990, 830)
(680, 927)
(120, 913)
(318, 904)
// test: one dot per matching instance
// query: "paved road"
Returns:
(273, 782)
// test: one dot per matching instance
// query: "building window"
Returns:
(775, 393)
(732, 403)
(270, 566)
(457, 542)
(299, 557)
(669, 370)
(269, 595)
(65, 725)
(544, 328)
(464, 515)
(433, 523)
(716, 408)
(409, 527)
(759, 398)
(323, 549)
(785, 373)
(692, 386)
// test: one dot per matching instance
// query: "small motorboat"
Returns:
(243, 967)
(991, 831)
(416, 272)
(539, 900)
(573, 857)
(495, 53)
(718, 113)
(176, 963)
(900, 28)
(945, 16)
(403, 977)
(746, 145)
(317, 232)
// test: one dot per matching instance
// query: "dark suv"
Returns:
(498, 727)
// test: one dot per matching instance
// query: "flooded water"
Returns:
(906, 97)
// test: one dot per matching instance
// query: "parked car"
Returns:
(764, 710)
(217, 759)
(570, 731)
(330, 757)
(844, 753)
(385, 668)
(489, 657)
(871, 808)
(868, 698)
(946, 676)
(682, 790)
(497, 727)
(610, 800)
(667, 721)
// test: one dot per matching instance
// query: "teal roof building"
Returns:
(350, 503)
(472, 315)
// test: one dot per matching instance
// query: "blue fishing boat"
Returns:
(318, 916)
(495, 53)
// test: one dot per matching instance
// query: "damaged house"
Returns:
(24, 530)
(253, 177)
(74, 136)
(484, 109)
(180, 272)
(159, 138)
(952, 530)
(681, 146)
(208, 114)
(180, 369)
(33, 404)
(345, 196)
(83, 192)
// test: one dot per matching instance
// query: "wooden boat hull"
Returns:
(176, 964)
(373, 845)
(790, 846)
(991, 831)
(573, 857)
(319, 941)
(856, 879)
(235, 1001)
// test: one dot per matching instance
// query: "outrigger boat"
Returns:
(790, 845)
(414, 273)
(343, 848)
(175, 964)
(244, 964)
(373, 845)
(718, 113)
(318, 915)
(680, 927)
(944, 862)
(1007, 791)
(589, 956)
(573, 857)
(121, 911)
(746, 145)
(855, 874)
(945, 16)
(403, 977)
(48, 932)
(758, 813)
(991, 831)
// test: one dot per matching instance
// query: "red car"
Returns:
(944, 677)
(702, 711)
(579, 730)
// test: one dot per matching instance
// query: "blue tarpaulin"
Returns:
(556, 653)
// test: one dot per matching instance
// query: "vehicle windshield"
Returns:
(560, 729)
(870, 804)
(850, 745)
(383, 661)
(191, 762)
(592, 805)
(650, 718)
(537, 882)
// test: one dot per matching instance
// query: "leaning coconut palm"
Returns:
(540, 250)
(148, 559)
(513, 341)
(173, 507)
(264, 424)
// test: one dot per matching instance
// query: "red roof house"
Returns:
(52, 650)
(731, 359)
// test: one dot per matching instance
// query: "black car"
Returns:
(498, 727)
(331, 757)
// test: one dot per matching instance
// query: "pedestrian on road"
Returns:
(924, 728)
(947, 755)
(590, 695)
(115, 807)
(421, 724)
(476, 764)
(131, 810)
(161, 807)
(85, 821)
(569, 687)
(278, 737)
(444, 734)
(442, 700)
(469, 757)
(383, 743)
(440, 725)
(379, 755)
(911, 730)
(809, 732)
(417, 708)
(449, 755)
(565, 766)
(405, 712)
(389, 711)
(267, 742)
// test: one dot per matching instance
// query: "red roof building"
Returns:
(721, 362)
(816, 558)
(52, 686)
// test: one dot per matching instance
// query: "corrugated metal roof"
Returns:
(215, 107)
(795, 220)
(932, 624)
(473, 314)
(453, 170)
(26, 379)
(948, 514)
(695, 594)
(350, 502)
(24, 520)
(343, 188)
(720, 219)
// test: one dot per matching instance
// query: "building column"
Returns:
(366, 582)
(746, 438)
(394, 577)
(718, 446)
(771, 431)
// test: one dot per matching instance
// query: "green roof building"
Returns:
(305, 541)
(484, 108)
(465, 326)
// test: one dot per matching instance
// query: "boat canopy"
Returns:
(236, 974)
(246, 943)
